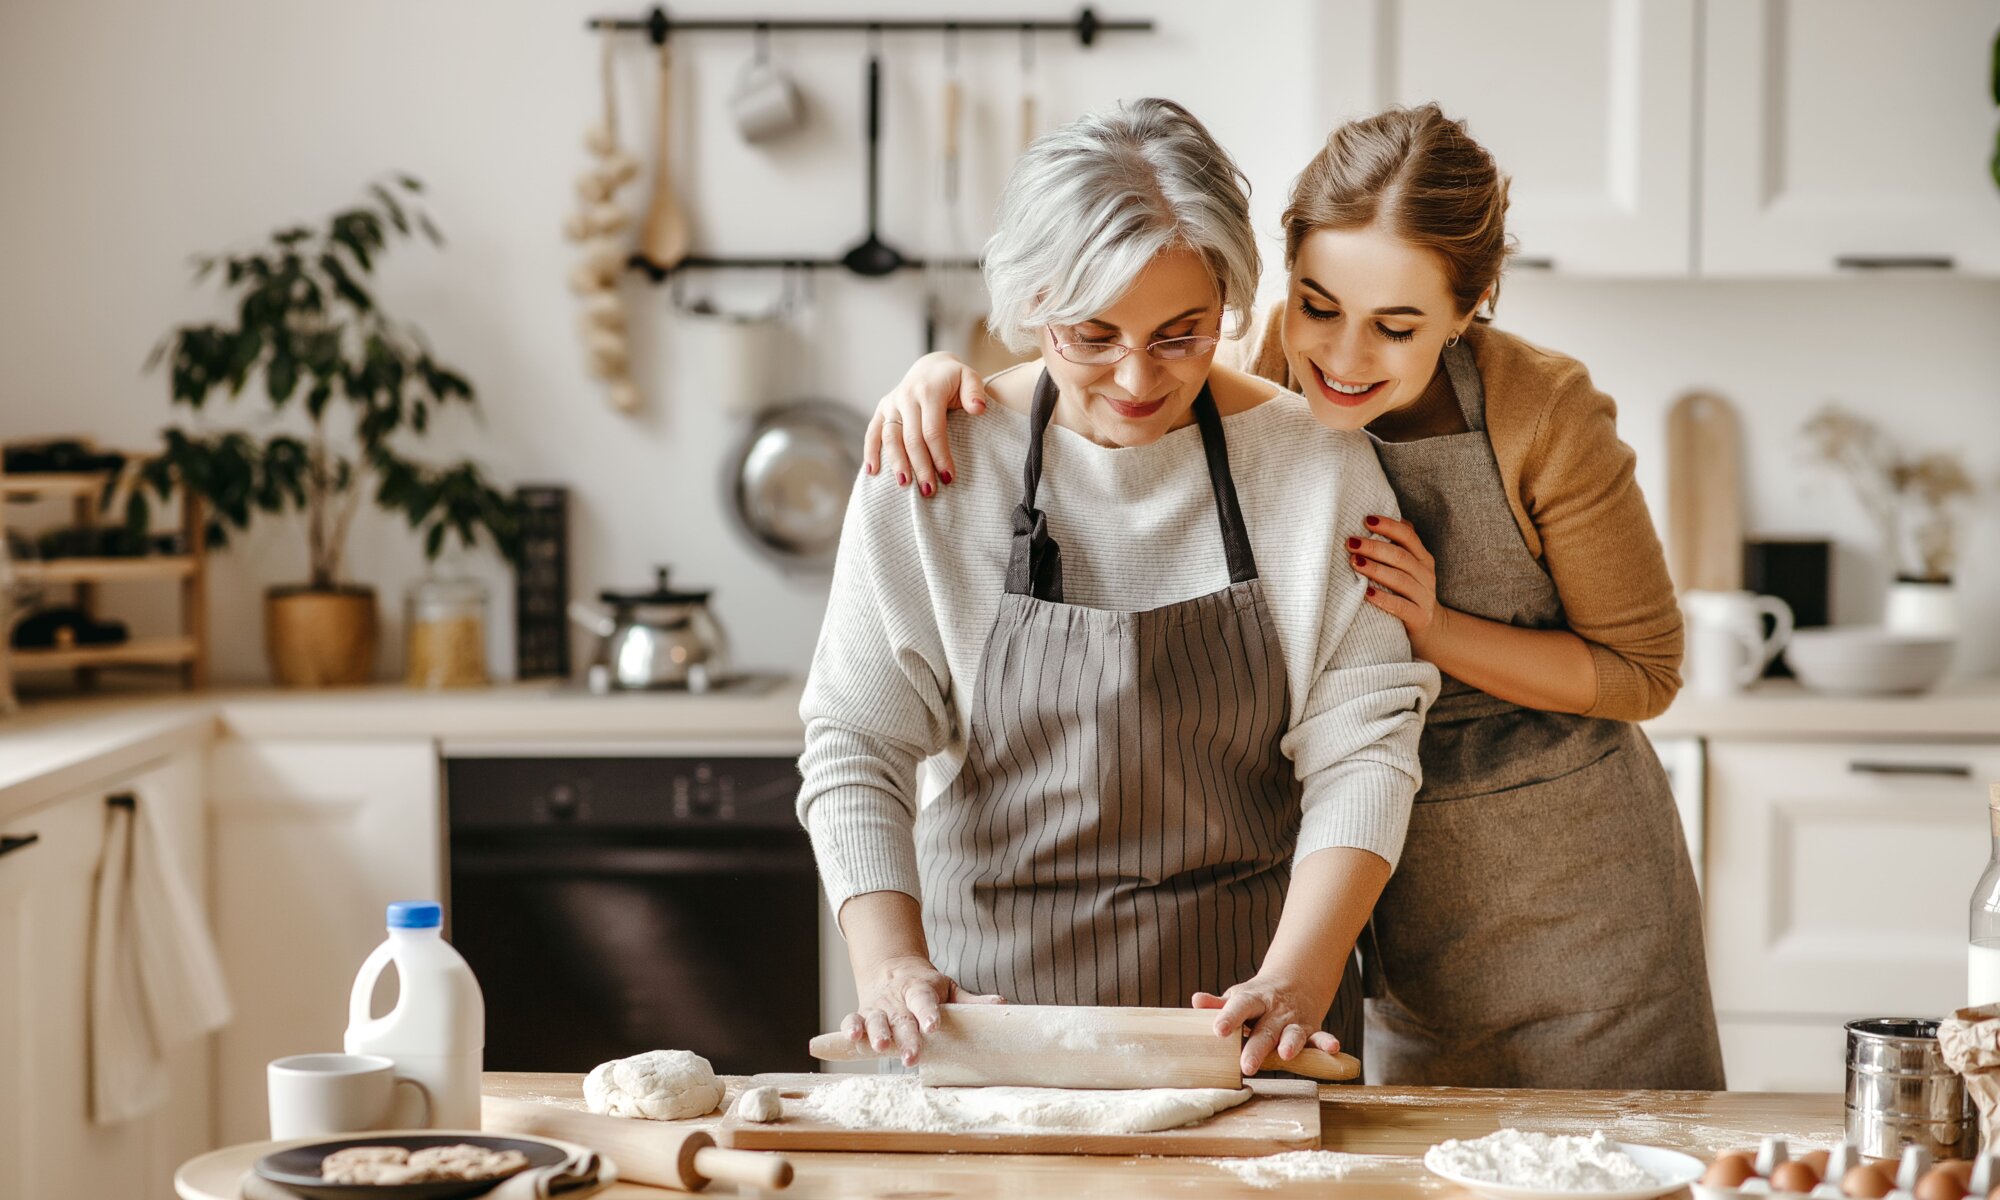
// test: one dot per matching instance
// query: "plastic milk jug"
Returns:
(436, 1033)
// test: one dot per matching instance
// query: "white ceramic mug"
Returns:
(1727, 648)
(315, 1095)
(765, 102)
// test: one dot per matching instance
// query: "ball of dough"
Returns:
(762, 1105)
(659, 1085)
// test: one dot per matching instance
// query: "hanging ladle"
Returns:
(873, 256)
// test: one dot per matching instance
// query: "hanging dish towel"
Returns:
(155, 978)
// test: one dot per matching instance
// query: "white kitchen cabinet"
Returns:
(21, 983)
(1719, 138)
(1839, 874)
(1847, 131)
(1587, 104)
(1764, 1054)
(49, 1147)
(311, 841)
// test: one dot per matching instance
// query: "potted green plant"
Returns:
(342, 386)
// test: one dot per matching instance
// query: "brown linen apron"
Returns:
(1543, 927)
(1123, 827)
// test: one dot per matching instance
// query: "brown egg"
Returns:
(1798, 1177)
(1816, 1159)
(1865, 1183)
(1940, 1184)
(1961, 1170)
(1728, 1171)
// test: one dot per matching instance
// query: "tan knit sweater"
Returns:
(1569, 481)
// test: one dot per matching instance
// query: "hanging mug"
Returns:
(765, 102)
(1727, 647)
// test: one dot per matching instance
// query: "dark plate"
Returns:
(298, 1167)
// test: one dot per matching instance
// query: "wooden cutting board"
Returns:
(1283, 1116)
(1704, 494)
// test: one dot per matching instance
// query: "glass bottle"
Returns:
(1983, 935)
(444, 622)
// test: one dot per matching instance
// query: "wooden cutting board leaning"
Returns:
(1704, 494)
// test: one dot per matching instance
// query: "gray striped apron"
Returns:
(1543, 927)
(1123, 826)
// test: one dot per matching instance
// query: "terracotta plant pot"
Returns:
(320, 638)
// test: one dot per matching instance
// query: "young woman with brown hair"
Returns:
(1542, 928)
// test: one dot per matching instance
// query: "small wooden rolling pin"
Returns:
(644, 1151)
(1034, 1045)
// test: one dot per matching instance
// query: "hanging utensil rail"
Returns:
(658, 26)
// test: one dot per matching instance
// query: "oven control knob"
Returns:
(563, 802)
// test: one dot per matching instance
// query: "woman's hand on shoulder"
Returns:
(899, 1002)
(1401, 576)
(906, 436)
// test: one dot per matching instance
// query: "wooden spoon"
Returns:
(663, 237)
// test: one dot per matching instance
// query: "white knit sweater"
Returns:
(918, 583)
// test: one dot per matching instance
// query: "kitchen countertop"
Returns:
(1781, 709)
(55, 747)
(1386, 1129)
(1393, 1126)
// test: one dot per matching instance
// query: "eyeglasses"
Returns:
(1104, 354)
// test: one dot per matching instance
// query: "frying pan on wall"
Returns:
(789, 480)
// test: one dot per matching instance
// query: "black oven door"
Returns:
(612, 906)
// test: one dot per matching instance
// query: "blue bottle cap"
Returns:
(416, 914)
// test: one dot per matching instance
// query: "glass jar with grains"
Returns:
(445, 633)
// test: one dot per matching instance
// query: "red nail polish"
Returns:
(902, 480)
(873, 469)
(1372, 522)
(925, 488)
(1354, 543)
(1371, 591)
(944, 476)
(1360, 561)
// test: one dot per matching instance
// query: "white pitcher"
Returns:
(1727, 648)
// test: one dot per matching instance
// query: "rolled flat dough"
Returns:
(901, 1102)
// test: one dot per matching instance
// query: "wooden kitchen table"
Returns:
(1386, 1129)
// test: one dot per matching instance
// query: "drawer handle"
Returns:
(10, 844)
(1894, 262)
(1532, 262)
(1948, 770)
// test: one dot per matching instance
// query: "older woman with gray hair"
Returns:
(1113, 733)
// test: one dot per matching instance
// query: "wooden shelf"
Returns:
(54, 483)
(106, 570)
(139, 652)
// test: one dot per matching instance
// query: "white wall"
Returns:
(133, 134)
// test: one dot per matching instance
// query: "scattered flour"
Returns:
(1539, 1160)
(1270, 1171)
(902, 1102)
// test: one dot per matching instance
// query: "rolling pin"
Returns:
(1032, 1045)
(643, 1151)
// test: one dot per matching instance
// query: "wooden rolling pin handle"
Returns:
(1317, 1064)
(838, 1047)
(745, 1168)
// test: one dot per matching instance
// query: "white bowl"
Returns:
(1671, 1171)
(1868, 659)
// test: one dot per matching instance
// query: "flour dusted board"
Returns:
(1283, 1116)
